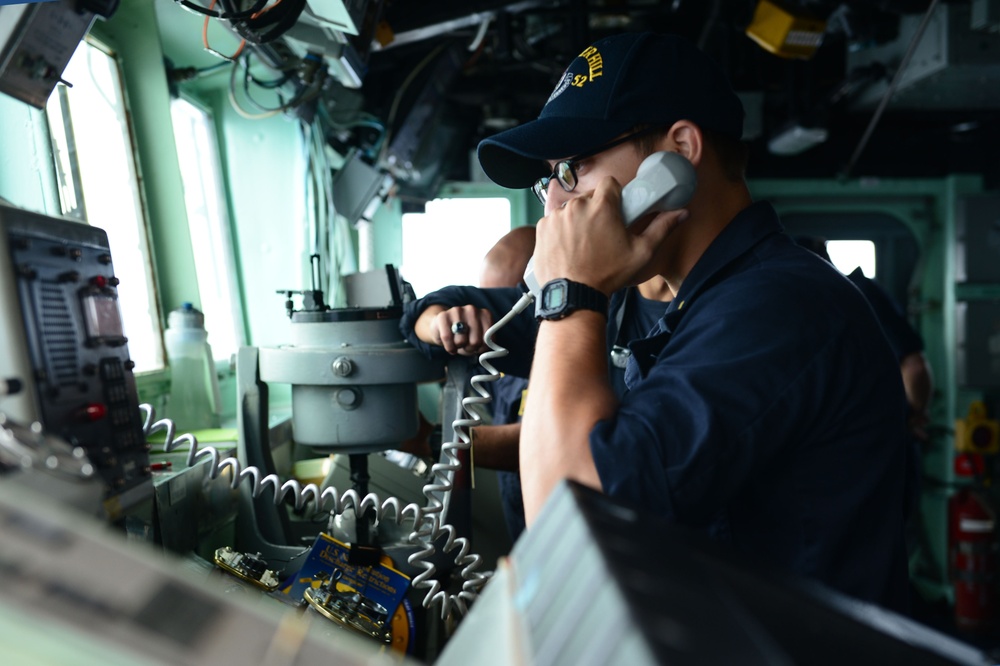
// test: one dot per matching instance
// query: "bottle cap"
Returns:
(186, 316)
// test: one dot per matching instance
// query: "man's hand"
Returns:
(586, 241)
(460, 330)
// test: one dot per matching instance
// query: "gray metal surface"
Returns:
(594, 581)
(353, 383)
(71, 591)
(372, 363)
(953, 67)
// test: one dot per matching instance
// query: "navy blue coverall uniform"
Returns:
(631, 316)
(767, 409)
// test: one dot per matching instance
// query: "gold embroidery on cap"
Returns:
(595, 65)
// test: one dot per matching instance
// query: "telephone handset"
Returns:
(664, 181)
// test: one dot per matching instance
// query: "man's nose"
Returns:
(556, 196)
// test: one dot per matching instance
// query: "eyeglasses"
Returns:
(565, 171)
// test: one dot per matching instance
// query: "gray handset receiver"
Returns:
(664, 181)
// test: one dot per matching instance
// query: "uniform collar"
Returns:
(750, 226)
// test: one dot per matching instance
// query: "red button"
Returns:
(95, 411)
(99, 280)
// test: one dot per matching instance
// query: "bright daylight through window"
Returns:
(847, 255)
(208, 224)
(446, 244)
(98, 185)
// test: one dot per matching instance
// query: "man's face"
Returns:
(621, 162)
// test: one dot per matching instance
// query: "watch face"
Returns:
(555, 296)
(560, 298)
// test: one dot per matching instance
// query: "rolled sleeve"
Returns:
(518, 336)
(717, 407)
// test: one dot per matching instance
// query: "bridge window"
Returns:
(446, 244)
(95, 167)
(208, 224)
(847, 255)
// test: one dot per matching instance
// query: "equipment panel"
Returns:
(61, 312)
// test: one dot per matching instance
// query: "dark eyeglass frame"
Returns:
(565, 170)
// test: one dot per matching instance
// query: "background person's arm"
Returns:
(919, 385)
(496, 446)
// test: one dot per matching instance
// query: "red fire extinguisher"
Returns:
(974, 554)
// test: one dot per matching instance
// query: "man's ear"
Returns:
(685, 137)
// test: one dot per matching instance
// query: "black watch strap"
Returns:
(561, 297)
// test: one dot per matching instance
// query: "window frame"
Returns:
(143, 229)
(228, 249)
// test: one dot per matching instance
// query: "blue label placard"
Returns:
(22, 2)
(382, 584)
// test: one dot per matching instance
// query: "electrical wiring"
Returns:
(334, 251)
(319, 203)
(312, 185)
(325, 237)
(273, 83)
(362, 120)
(480, 34)
(205, 44)
(259, 25)
(239, 108)
(205, 71)
(246, 88)
(372, 122)
(269, 23)
(305, 95)
(225, 16)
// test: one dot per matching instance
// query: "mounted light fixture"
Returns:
(785, 33)
(793, 139)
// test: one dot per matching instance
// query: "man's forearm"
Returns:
(919, 386)
(570, 392)
(495, 446)
(917, 381)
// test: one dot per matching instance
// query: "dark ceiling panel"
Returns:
(512, 54)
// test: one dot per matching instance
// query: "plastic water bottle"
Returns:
(194, 387)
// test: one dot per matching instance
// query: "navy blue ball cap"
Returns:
(612, 86)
